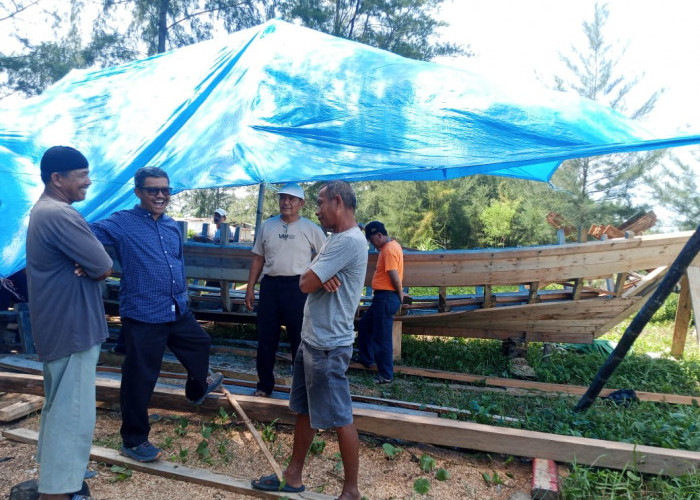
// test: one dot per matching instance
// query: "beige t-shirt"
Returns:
(287, 248)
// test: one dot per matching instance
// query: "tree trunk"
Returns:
(162, 25)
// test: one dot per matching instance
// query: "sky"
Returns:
(519, 39)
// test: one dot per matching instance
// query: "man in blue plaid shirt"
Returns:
(153, 304)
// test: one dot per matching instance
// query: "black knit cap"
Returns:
(61, 159)
(374, 227)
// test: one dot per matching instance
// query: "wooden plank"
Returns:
(693, 273)
(396, 335)
(620, 284)
(172, 470)
(680, 326)
(20, 407)
(431, 430)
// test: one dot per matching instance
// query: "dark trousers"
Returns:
(374, 332)
(281, 303)
(145, 345)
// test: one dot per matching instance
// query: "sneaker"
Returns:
(145, 452)
(378, 379)
(213, 383)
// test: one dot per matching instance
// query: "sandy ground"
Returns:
(234, 452)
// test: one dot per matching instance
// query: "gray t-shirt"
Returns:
(328, 317)
(67, 311)
(287, 248)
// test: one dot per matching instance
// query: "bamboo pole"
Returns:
(254, 432)
(679, 266)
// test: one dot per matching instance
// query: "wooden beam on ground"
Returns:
(14, 407)
(545, 484)
(422, 429)
(680, 325)
(175, 471)
(32, 367)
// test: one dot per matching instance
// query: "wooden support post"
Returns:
(442, 299)
(396, 332)
(532, 293)
(225, 296)
(561, 237)
(578, 286)
(680, 327)
(620, 284)
(224, 234)
(24, 327)
(183, 229)
(488, 297)
(693, 273)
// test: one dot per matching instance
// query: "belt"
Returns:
(282, 278)
(384, 291)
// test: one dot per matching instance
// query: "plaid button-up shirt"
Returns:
(153, 279)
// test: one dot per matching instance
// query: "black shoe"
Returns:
(378, 380)
(357, 359)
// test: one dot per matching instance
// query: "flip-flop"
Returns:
(260, 394)
(271, 483)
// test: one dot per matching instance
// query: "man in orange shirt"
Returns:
(374, 330)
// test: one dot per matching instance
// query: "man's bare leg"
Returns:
(303, 436)
(350, 453)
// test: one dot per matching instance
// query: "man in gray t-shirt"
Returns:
(320, 394)
(68, 319)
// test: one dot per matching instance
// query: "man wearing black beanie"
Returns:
(68, 320)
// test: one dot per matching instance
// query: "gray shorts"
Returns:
(320, 387)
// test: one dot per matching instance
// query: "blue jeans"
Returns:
(374, 332)
(67, 421)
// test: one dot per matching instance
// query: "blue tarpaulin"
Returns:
(281, 103)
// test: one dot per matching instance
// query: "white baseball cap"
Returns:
(220, 211)
(292, 188)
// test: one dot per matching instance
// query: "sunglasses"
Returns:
(153, 191)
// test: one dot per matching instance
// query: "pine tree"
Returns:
(602, 189)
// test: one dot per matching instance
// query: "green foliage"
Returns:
(442, 474)
(427, 463)
(493, 479)
(588, 482)
(596, 190)
(122, 473)
(203, 449)
(181, 429)
(407, 28)
(421, 486)
(338, 462)
(317, 446)
(269, 432)
(677, 189)
(497, 220)
(391, 451)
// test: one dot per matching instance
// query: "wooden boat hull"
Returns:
(573, 312)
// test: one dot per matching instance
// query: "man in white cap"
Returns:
(219, 218)
(284, 246)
